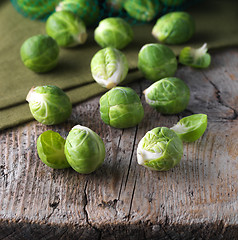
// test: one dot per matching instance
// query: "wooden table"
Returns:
(123, 200)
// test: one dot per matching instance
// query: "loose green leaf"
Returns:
(50, 148)
(191, 128)
(197, 58)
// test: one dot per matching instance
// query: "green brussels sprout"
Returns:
(121, 108)
(142, 10)
(174, 28)
(157, 61)
(40, 53)
(172, 3)
(168, 96)
(39, 9)
(197, 58)
(191, 128)
(109, 67)
(50, 148)
(66, 29)
(84, 149)
(86, 10)
(49, 104)
(113, 32)
(160, 149)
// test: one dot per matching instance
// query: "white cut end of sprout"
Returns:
(115, 79)
(81, 38)
(200, 51)
(81, 127)
(59, 7)
(144, 156)
(33, 96)
(149, 101)
(179, 128)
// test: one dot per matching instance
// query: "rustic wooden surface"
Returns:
(122, 200)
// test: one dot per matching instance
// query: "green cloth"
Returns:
(216, 24)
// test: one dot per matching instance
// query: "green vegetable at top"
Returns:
(49, 104)
(121, 108)
(157, 61)
(40, 53)
(142, 10)
(172, 3)
(191, 128)
(168, 96)
(174, 28)
(197, 58)
(36, 9)
(50, 148)
(160, 149)
(109, 67)
(86, 10)
(66, 29)
(84, 149)
(113, 32)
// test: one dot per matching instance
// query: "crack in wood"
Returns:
(119, 193)
(131, 156)
(109, 204)
(220, 100)
(132, 197)
(86, 212)
(54, 206)
(62, 235)
(4, 174)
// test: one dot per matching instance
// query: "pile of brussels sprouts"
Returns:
(120, 107)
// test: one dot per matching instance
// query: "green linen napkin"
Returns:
(216, 24)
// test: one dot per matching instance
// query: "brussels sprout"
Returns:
(142, 10)
(109, 67)
(66, 29)
(86, 10)
(40, 53)
(174, 28)
(168, 96)
(191, 128)
(157, 61)
(39, 9)
(84, 149)
(121, 108)
(198, 58)
(172, 3)
(113, 32)
(50, 148)
(160, 149)
(49, 104)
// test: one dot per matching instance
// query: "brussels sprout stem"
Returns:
(143, 154)
(114, 79)
(33, 96)
(179, 128)
(80, 127)
(149, 101)
(29, 95)
(81, 38)
(59, 7)
(200, 52)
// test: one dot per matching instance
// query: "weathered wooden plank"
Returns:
(122, 200)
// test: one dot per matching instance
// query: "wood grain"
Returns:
(122, 200)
